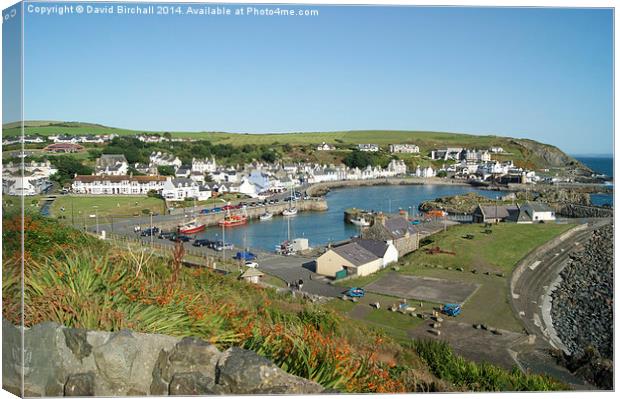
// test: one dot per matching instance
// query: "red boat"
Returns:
(234, 220)
(191, 228)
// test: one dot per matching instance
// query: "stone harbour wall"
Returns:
(61, 361)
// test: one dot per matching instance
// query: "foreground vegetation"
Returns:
(118, 289)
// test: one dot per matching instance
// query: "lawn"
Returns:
(494, 253)
(126, 205)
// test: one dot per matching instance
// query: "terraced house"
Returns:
(117, 185)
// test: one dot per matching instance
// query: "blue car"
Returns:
(355, 292)
(245, 256)
(206, 210)
(451, 309)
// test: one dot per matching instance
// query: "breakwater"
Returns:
(253, 213)
(320, 189)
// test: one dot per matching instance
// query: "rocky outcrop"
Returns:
(548, 155)
(73, 362)
(582, 306)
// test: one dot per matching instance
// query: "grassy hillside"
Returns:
(526, 153)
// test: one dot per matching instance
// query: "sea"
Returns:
(603, 165)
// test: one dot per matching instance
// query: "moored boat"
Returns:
(191, 227)
(266, 216)
(233, 220)
(360, 221)
(289, 212)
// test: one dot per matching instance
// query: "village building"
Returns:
(252, 275)
(164, 159)
(112, 164)
(395, 229)
(496, 150)
(352, 257)
(324, 147)
(63, 148)
(381, 249)
(404, 149)
(535, 212)
(204, 165)
(368, 147)
(113, 185)
(495, 213)
(181, 189)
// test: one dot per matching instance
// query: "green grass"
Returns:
(84, 206)
(497, 252)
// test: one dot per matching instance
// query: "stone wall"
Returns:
(582, 211)
(61, 361)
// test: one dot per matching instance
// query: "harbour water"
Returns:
(324, 227)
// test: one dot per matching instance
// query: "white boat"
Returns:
(266, 216)
(360, 221)
(289, 212)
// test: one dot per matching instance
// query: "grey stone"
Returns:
(115, 358)
(242, 371)
(80, 385)
(190, 383)
(75, 339)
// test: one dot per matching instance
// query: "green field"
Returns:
(84, 206)
(493, 253)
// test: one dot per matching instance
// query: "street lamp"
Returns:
(96, 217)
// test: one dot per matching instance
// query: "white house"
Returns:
(496, 150)
(535, 212)
(397, 167)
(368, 147)
(381, 249)
(404, 148)
(425, 172)
(204, 165)
(180, 189)
(122, 185)
(112, 164)
(324, 147)
(164, 159)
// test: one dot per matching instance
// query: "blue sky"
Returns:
(544, 74)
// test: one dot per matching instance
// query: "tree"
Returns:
(168, 136)
(166, 170)
(268, 156)
(68, 167)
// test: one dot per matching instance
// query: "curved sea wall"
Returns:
(582, 308)
(320, 189)
(61, 361)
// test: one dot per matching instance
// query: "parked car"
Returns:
(216, 209)
(206, 210)
(201, 243)
(180, 237)
(451, 309)
(251, 264)
(220, 246)
(355, 292)
(149, 232)
(245, 255)
(166, 235)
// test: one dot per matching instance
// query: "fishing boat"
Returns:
(191, 227)
(289, 212)
(233, 220)
(266, 216)
(360, 221)
(286, 246)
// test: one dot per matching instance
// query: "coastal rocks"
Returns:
(74, 362)
(582, 303)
